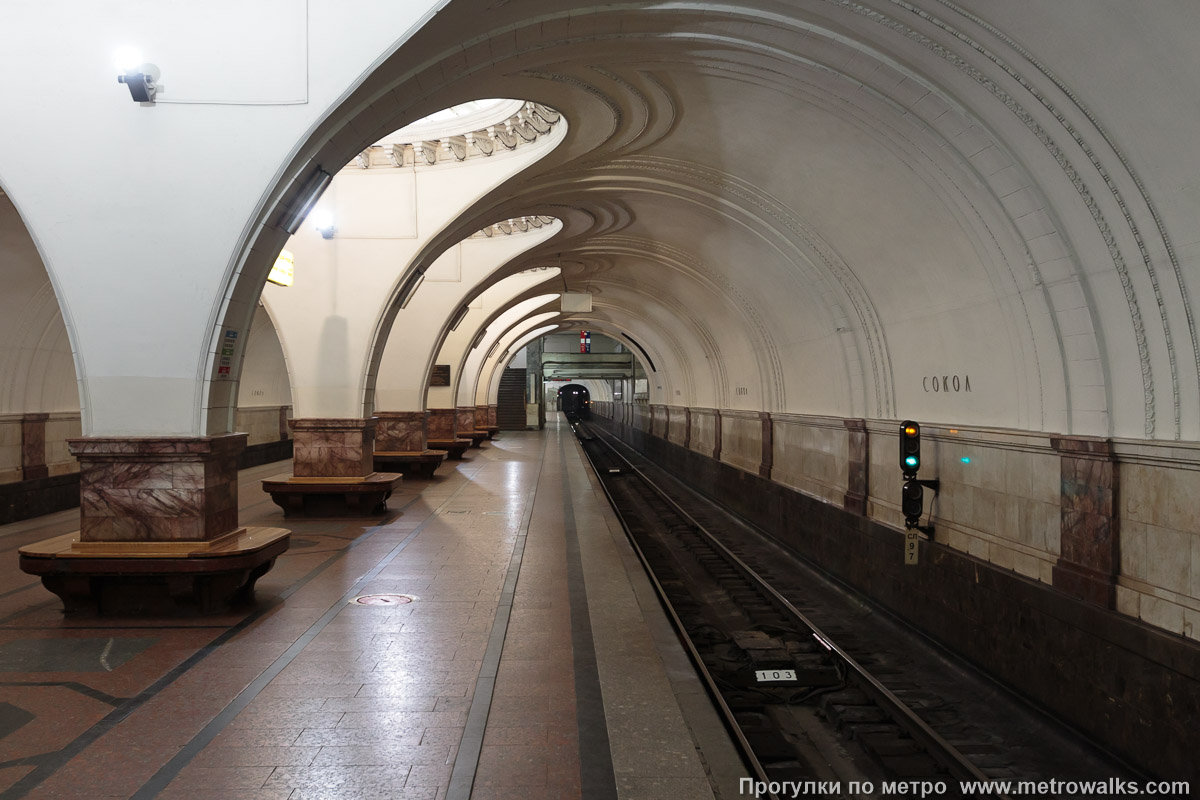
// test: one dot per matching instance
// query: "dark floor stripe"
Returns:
(595, 758)
(466, 762)
(82, 689)
(169, 771)
(21, 589)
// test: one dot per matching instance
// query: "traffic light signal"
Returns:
(912, 503)
(910, 448)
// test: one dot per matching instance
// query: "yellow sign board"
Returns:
(282, 272)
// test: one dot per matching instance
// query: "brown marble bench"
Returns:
(455, 447)
(155, 577)
(491, 430)
(332, 496)
(422, 463)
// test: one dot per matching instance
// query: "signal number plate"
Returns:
(770, 675)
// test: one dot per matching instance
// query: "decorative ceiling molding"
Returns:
(1072, 175)
(527, 125)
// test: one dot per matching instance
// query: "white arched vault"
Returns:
(893, 194)
(334, 320)
(399, 377)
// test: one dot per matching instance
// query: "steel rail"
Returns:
(955, 762)
(714, 691)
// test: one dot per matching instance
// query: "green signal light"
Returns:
(911, 461)
(965, 459)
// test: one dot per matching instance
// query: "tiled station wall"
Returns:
(35, 445)
(38, 474)
(1024, 577)
(1002, 495)
(263, 423)
(24, 448)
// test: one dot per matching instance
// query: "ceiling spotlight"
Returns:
(323, 221)
(135, 75)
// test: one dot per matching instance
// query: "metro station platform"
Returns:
(521, 654)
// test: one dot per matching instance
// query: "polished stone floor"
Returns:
(515, 650)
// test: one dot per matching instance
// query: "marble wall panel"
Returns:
(441, 423)
(999, 498)
(810, 454)
(10, 448)
(636, 413)
(1158, 508)
(658, 421)
(400, 431)
(742, 439)
(481, 417)
(855, 498)
(704, 431)
(33, 447)
(493, 418)
(1090, 533)
(59, 428)
(677, 424)
(263, 423)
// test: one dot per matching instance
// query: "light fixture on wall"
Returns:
(459, 316)
(138, 77)
(308, 197)
(410, 288)
(479, 339)
(323, 222)
(283, 272)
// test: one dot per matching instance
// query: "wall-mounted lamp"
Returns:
(410, 288)
(323, 222)
(283, 273)
(459, 316)
(479, 339)
(137, 77)
(308, 197)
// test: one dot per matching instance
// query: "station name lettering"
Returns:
(955, 384)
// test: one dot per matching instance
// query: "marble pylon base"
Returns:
(332, 468)
(128, 578)
(464, 424)
(482, 423)
(158, 529)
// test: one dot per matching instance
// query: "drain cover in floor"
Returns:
(383, 599)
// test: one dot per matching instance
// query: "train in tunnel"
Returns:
(575, 402)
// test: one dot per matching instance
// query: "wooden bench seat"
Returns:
(416, 463)
(455, 447)
(155, 577)
(358, 496)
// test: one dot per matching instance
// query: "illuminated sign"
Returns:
(281, 273)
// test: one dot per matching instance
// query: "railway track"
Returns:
(815, 686)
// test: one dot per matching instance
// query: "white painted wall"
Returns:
(139, 246)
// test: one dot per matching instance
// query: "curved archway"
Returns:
(39, 389)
